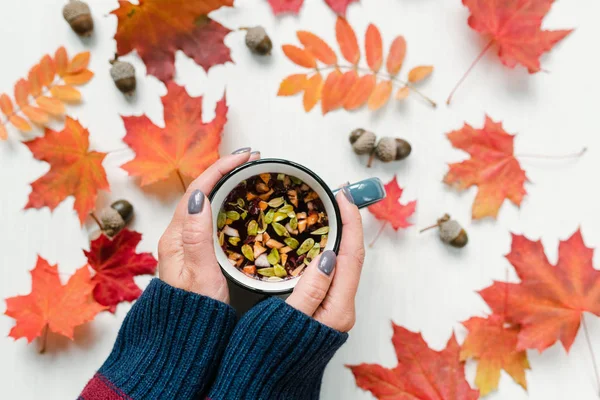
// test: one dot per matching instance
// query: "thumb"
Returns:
(312, 288)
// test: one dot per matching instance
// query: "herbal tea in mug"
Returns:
(271, 226)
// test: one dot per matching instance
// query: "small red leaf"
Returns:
(390, 210)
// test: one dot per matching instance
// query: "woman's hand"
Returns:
(186, 252)
(323, 293)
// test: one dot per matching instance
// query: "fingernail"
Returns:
(327, 262)
(346, 191)
(255, 153)
(242, 150)
(196, 202)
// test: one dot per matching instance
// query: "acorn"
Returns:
(258, 41)
(390, 149)
(116, 217)
(451, 232)
(123, 74)
(363, 141)
(77, 13)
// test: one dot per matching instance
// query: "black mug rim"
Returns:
(328, 191)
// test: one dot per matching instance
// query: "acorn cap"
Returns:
(123, 74)
(363, 142)
(258, 41)
(386, 149)
(111, 220)
(78, 15)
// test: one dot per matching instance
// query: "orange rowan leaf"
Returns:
(550, 300)
(292, 85)
(380, 95)
(61, 61)
(317, 47)
(79, 78)
(47, 71)
(169, 26)
(421, 373)
(20, 123)
(347, 41)
(492, 167)
(6, 104)
(396, 55)
(299, 56)
(51, 304)
(74, 170)
(312, 92)
(51, 106)
(360, 92)
(185, 145)
(493, 343)
(417, 74)
(3, 132)
(79, 63)
(373, 48)
(36, 115)
(35, 87)
(336, 89)
(22, 92)
(66, 93)
(402, 93)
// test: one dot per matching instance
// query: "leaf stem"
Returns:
(554, 157)
(182, 181)
(379, 75)
(43, 340)
(485, 49)
(378, 234)
(591, 349)
(96, 220)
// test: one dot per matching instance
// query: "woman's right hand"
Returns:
(328, 295)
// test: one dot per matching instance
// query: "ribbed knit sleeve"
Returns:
(169, 347)
(275, 352)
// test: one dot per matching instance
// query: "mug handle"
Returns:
(366, 192)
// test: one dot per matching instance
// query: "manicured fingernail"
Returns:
(255, 153)
(327, 262)
(196, 202)
(242, 150)
(346, 191)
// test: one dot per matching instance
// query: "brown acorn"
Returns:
(451, 232)
(123, 74)
(77, 13)
(363, 141)
(390, 149)
(258, 41)
(116, 217)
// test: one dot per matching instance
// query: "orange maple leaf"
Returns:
(515, 27)
(492, 167)
(494, 344)
(549, 302)
(185, 146)
(74, 170)
(421, 373)
(51, 304)
(156, 29)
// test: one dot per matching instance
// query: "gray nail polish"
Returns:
(327, 262)
(196, 202)
(242, 150)
(348, 195)
(255, 153)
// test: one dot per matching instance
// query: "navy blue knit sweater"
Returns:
(179, 345)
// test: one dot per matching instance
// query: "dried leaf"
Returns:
(292, 85)
(396, 55)
(373, 48)
(6, 105)
(22, 92)
(36, 115)
(66, 93)
(347, 41)
(33, 78)
(390, 210)
(74, 170)
(47, 71)
(79, 63)
(339, 6)
(312, 92)
(185, 145)
(20, 123)
(380, 95)
(285, 6)
(61, 61)
(299, 56)
(169, 26)
(51, 105)
(3, 132)
(417, 74)
(317, 47)
(402, 93)
(360, 92)
(51, 304)
(335, 89)
(79, 78)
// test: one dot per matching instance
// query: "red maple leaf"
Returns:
(74, 170)
(293, 6)
(156, 29)
(52, 305)
(185, 146)
(116, 263)
(421, 373)
(549, 302)
(515, 27)
(492, 167)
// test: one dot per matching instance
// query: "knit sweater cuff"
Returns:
(170, 344)
(276, 352)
